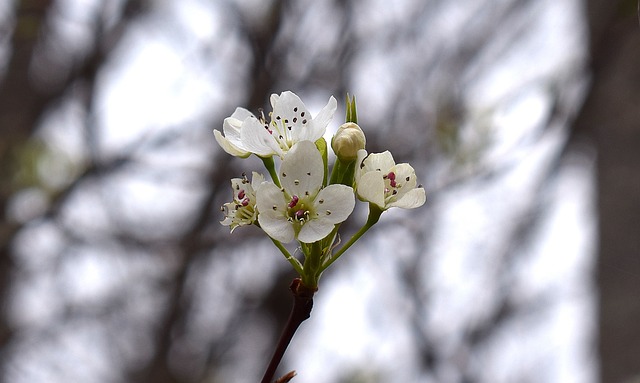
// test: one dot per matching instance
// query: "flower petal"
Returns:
(371, 188)
(379, 161)
(272, 212)
(257, 139)
(256, 180)
(324, 117)
(232, 125)
(406, 176)
(302, 170)
(278, 229)
(228, 146)
(315, 230)
(334, 203)
(293, 119)
(412, 199)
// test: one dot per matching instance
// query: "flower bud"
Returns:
(347, 141)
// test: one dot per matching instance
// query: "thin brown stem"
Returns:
(301, 311)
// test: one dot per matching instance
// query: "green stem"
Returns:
(292, 260)
(374, 216)
(342, 172)
(271, 168)
(312, 265)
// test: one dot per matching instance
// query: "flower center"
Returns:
(298, 211)
(391, 186)
(280, 127)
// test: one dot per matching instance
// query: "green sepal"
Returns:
(321, 144)
(352, 114)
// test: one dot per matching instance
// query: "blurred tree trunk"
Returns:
(611, 114)
(21, 105)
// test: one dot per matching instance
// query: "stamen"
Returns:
(294, 201)
(241, 194)
(301, 214)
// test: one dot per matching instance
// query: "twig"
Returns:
(301, 311)
(287, 377)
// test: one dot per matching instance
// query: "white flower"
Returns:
(242, 210)
(380, 181)
(302, 209)
(290, 122)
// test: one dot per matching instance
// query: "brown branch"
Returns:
(301, 311)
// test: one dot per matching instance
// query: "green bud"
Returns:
(347, 141)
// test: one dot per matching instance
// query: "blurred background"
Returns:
(520, 117)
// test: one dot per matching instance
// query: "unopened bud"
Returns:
(347, 141)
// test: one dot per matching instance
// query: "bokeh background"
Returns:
(520, 117)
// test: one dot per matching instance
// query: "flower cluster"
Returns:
(301, 202)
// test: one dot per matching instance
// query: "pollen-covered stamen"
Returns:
(391, 185)
(301, 215)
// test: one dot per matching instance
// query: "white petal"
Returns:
(315, 230)
(362, 154)
(337, 204)
(273, 222)
(302, 170)
(278, 229)
(274, 100)
(412, 199)
(231, 126)
(229, 147)
(256, 180)
(257, 139)
(292, 117)
(269, 195)
(404, 171)
(324, 117)
(371, 188)
(379, 161)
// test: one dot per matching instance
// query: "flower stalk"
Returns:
(301, 311)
